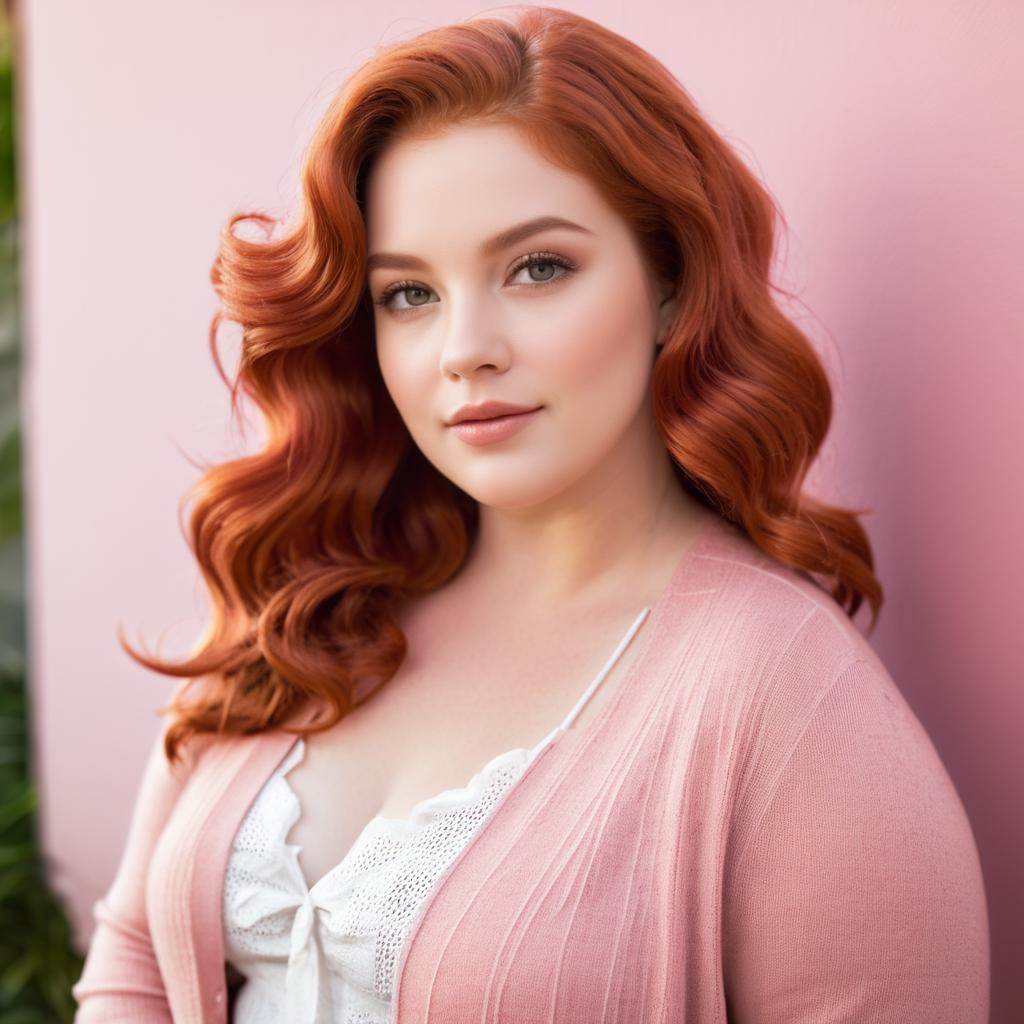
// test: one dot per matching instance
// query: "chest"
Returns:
(462, 696)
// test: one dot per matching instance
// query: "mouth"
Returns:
(493, 429)
(492, 419)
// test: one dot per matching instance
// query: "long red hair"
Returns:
(307, 546)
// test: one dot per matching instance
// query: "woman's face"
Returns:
(563, 318)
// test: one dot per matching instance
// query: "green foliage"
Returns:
(8, 164)
(38, 964)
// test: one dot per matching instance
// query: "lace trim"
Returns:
(423, 813)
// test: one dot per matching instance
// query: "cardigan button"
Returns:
(219, 997)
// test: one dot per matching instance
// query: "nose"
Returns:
(473, 339)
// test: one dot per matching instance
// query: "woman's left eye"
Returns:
(547, 261)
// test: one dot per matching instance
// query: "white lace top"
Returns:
(327, 954)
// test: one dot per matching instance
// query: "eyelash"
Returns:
(524, 261)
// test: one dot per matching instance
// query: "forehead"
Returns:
(467, 183)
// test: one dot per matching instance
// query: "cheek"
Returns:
(404, 380)
(602, 339)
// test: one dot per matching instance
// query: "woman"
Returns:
(529, 514)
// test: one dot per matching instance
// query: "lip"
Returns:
(487, 411)
(496, 428)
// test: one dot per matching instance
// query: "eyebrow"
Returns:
(493, 245)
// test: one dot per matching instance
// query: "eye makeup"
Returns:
(530, 259)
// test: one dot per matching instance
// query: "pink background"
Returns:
(890, 134)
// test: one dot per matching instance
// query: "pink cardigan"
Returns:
(754, 828)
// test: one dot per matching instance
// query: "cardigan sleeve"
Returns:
(858, 894)
(121, 979)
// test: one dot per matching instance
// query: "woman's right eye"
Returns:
(401, 286)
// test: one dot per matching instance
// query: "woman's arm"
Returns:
(858, 897)
(121, 980)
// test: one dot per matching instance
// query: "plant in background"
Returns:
(38, 964)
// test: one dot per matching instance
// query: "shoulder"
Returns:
(770, 653)
(762, 618)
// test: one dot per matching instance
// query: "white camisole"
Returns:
(327, 954)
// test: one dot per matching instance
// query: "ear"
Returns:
(666, 313)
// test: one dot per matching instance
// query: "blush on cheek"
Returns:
(605, 334)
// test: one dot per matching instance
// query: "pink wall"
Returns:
(888, 132)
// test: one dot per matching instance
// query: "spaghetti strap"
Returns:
(588, 693)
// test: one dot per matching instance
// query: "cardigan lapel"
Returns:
(248, 766)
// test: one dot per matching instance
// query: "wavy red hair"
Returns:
(308, 546)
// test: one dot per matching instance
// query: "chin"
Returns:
(523, 486)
